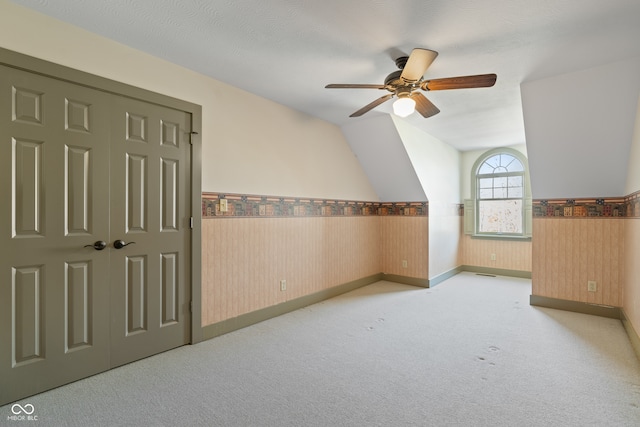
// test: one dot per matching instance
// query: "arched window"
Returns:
(501, 195)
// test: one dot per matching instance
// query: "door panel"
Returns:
(80, 166)
(27, 179)
(53, 324)
(150, 195)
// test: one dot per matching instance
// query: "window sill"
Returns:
(501, 237)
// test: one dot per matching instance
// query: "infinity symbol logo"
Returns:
(27, 409)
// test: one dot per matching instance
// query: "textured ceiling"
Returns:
(287, 51)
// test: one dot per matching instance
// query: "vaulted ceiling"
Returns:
(287, 51)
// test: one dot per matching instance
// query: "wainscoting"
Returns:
(581, 240)
(514, 255)
(315, 245)
(568, 252)
(405, 239)
(244, 260)
(320, 247)
(576, 241)
(631, 288)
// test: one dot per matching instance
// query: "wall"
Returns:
(405, 239)
(509, 255)
(437, 166)
(579, 130)
(568, 252)
(249, 144)
(584, 144)
(476, 252)
(247, 257)
(376, 142)
(315, 245)
(631, 288)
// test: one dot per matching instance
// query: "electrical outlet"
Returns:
(493, 257)
(404, 263)
(592, 286)
(283, 285)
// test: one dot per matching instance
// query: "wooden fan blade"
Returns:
(423, 105)
(371, 105)
(464, 82)
(353, 86)
(417, 64)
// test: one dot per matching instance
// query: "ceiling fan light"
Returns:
(402, 107)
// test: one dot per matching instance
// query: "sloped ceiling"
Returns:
(382, 154)
(579, 130)
(288, 51)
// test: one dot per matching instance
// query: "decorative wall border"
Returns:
(249, 206)
(633, 205)
(613, 207)
(239, 206)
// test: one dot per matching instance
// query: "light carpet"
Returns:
(468, 352)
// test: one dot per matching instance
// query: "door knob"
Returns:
(119, 244)
(98, 245)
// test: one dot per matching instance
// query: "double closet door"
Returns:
(94, 231)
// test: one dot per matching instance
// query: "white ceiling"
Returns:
(287, 51)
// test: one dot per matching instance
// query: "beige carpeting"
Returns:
(469, 352)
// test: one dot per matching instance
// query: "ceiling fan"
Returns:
(406, 82)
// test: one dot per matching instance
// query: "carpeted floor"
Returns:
(469, 352)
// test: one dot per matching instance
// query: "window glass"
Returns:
(486, 168)
(515, 181)
(500, 195)
(486, 193)
(516, 166)
(486, 182)
(500, 216)
(515, 192)
(500, 182)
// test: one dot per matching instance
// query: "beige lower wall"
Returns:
(510, 254)
(631, 288)
(568, 252)
(244, 259)
(405, 238)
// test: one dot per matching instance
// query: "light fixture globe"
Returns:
(404, 106)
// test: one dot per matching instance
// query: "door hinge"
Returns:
(191, 222)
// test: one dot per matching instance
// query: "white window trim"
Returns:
(471, 205)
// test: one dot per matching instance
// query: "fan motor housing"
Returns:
(393, 78)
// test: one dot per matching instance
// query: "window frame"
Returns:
(472, 206)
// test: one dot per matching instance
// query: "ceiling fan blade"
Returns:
(417, 64)
(371, 105)
(464, 82)
(423, 105)
(353, 86)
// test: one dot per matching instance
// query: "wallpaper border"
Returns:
(255, 206)
(612, 207)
